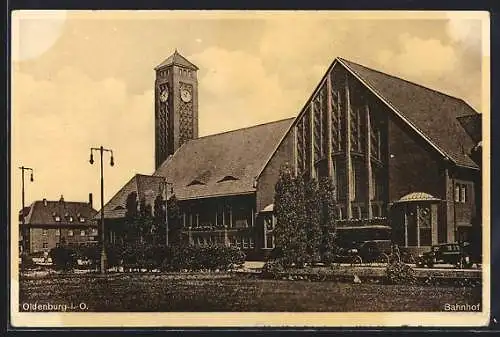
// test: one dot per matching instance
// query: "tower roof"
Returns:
(176, 59)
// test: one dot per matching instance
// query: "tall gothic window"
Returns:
(353, 182)
(341, 178)
(336, 122)
(354, 125)
(324, 120)
(301, 160)
(316, 109)
(375, 139)
(308, 139)
(358, 123)
(186, 120)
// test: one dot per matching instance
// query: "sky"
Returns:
(82, 79)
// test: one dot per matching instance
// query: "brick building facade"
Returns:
(397, 152)
(48, 223)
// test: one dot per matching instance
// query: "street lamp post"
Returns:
(23, 168)
(103, 237)
(166, 184)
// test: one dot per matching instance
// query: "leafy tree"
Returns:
(289, 207)
(139, 221)
(313, 208)
(63, 257)
(144, 222)
(131, 215)
(175, 224)
(131, 205)
(328, 216)
(174, 220)
(159, 219)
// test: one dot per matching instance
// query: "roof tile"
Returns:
(239, 153)
(431, 112)
(177, 59)
(45, 213)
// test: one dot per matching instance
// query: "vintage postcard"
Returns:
(250, 169)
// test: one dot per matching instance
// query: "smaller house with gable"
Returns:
(48, 223)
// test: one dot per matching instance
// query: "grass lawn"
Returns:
(226, 292)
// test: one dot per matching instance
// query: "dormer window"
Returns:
(57, 218)
(82, 219)
(195, 182)
(228, 178)
(68, 217)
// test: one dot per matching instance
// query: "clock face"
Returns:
(164, 95)
(185, 95)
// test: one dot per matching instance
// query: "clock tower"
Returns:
(176, 105)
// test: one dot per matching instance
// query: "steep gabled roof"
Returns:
(45, 213)
(146, 186)
(472, 125)
(177, 59)
(210, 160)
(433, 114)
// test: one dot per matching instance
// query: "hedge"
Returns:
(161, 257)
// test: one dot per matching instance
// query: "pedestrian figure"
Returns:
(396, 254)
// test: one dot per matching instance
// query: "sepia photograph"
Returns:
(249, 168)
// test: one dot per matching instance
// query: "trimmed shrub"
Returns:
(114, 254)
(175, 257)
(202, 258)
(27, 262)
(273, 268)
(328, 257)
(90, 253)
(63, 258)
(400, 273)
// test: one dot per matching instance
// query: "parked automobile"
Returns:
(446, 253)
(363, 244)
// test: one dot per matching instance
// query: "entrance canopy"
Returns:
(268, 208)
(417, 196)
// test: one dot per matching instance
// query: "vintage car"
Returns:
(446, 253)
(363, 244)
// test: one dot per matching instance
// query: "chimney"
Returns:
(45, 202)
(62, 198)
(90, 200)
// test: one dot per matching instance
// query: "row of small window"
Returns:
(461, 193)
(183, 72)
(45, 245)
(93, 231)
(242, 242)
(360, 212)
(164, 72)
(69, 218)
(203, 241)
